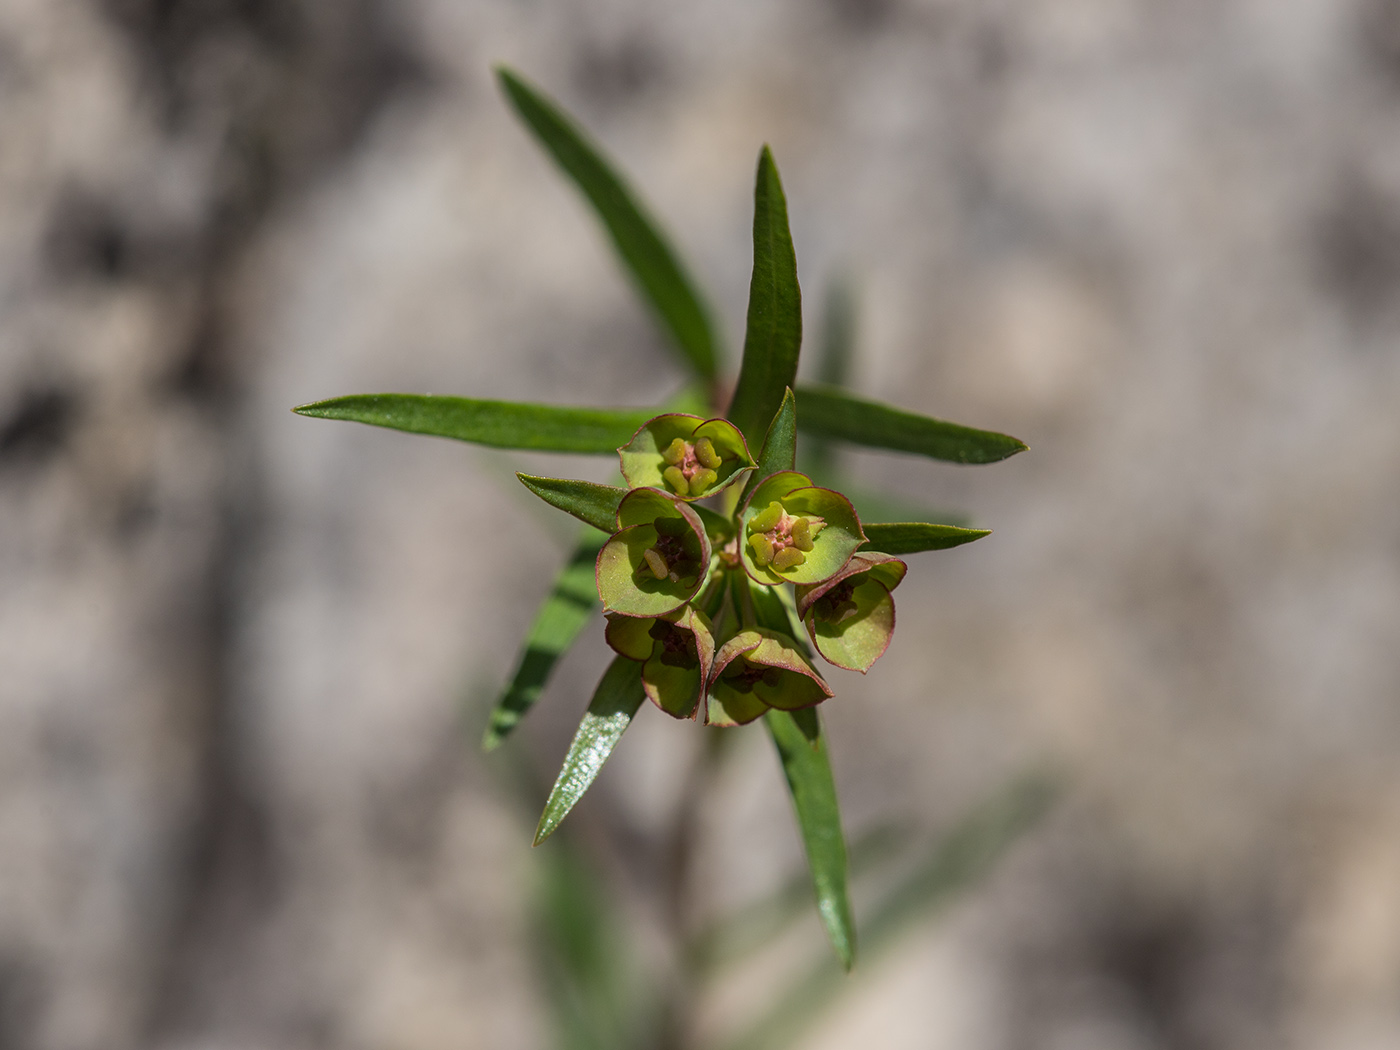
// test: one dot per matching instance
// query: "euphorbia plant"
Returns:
(716, 562)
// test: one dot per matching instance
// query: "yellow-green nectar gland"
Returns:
(691, 470)
(780, 540)
(667, 558)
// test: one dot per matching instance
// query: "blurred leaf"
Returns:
(774, 334)
(813, 792)
(911, 537)
(780, 445)
(592, 504)
(756, 924)
(832, 413)
(563, 615)
(615, 701)
(957, 862)
(501, 424)
(590, 981)
(649, 259)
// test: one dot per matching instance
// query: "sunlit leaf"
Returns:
(774, 333)
(831, 413)
(779, 446)
(615, 701)
(592, 504)
(500, 424)
(568, 608)
(649, 259)
(911, 537)
(813, 792)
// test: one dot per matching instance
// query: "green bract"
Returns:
(759, 669)
(691, 632)
(850, 617)
(676, 652)
(792, 531)
(686, 455)
(656, 560)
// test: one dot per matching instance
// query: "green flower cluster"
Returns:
(696, 594)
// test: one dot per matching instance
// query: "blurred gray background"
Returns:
(244, 655)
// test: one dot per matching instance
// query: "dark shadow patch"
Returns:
(1380, 36)
(619, 72)
(39, 425)
(1357, 245)
(22, 993)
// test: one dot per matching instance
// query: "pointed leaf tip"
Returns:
(615, 702)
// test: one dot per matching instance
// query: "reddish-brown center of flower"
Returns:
(836, 604)
(677, 645)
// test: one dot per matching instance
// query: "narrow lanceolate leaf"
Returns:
(911, 537)
(649, 259)
(592, 504)
(774, 334)
(830, 413)
(615, 701)
(500, 424)
(814, 798)
(570, 605)
(780, 446)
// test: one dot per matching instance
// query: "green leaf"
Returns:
(570, 605)
(649, 259)
(814, 799)
(774, 334)
(911, 537)
(779, 447)
(831, 413)
(615, 701)
(754, 925)
(500, 424)
(592, 504)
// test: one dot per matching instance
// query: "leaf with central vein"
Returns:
(500, 424)
(779, 447)
(592, 504)
(774, 334)
(833, 414)
(814, 799)
(565, 612)
(650, 261)
(616, 700)
(911, 537)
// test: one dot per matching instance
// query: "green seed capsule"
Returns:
(676, 480)
(702, 480)
(657, 564)
(675, 452)
(706, 454)
(766, 519)
(762, 549)
(788, 558)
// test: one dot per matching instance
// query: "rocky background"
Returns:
(245, 656)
